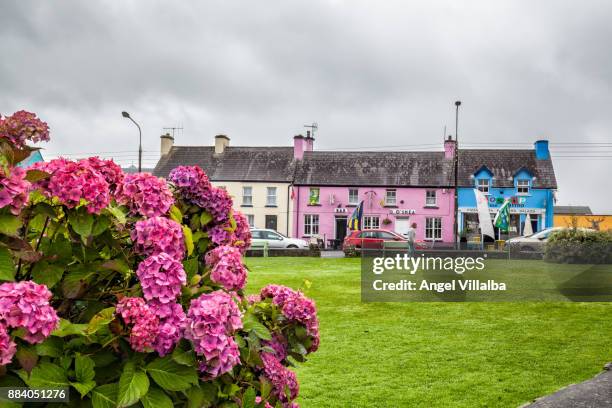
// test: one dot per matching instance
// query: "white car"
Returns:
(276, 240)
(537, 241)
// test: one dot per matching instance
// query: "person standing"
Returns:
(411, 237)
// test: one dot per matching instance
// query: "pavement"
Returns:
(593, 393)
(332, 254)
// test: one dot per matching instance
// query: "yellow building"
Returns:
(581, 217)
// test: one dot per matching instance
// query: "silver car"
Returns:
(276, 240)
(535, 242)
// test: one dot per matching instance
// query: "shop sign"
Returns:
(401, 211)
(340, 210)
(512, 210)
(516, 201)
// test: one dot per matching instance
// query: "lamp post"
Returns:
(127, 115)
(456, 225)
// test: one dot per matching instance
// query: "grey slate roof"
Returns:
(234, 164)
(504, 163)
(374, 169)
(573, 209)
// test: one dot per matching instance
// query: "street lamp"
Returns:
(127, 115)
(456, 224)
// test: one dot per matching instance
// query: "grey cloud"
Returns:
(371, 73)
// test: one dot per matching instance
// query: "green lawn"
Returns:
(436, 354)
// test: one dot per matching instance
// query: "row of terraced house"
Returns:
(303, 192)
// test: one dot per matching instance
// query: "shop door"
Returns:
(271, 222)
(402, 225)
(341, 225)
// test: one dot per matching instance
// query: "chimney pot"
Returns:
(167, 142)
(221, 142)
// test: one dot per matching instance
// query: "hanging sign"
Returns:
(400, 211)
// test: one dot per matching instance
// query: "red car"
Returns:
(370, 239)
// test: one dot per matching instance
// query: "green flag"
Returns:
(502, 219)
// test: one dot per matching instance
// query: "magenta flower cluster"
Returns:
(112, 173)
(7, 346)
(143, 322)
(154, 235)
(297, 308)
(72, 182)
(145, 194)
(14, 190)
(284, 381)
(26, 305)
(226, 267)
(195, 187)
(172, 321)
(243, 232)
(22, 126)
(212, 319)
(161, 277)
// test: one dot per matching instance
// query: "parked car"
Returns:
(535, 242)
(370, 239)
(276, 240)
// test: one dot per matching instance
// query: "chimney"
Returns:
(221, 142)
(302, 144)
(449, 147)
(167, 142)
(541, 150)
(309, 142)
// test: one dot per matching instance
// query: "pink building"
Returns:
(397, 188)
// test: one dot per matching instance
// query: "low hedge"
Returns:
(579, 246)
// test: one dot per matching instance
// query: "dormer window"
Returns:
(522, 186)
(483, 185)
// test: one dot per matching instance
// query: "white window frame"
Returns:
(371, 222)
(355, 196)
(390, 199)
(247, 199)
(311, 224)
(520, 184)
(433, 228)
(250, 220)
(485, 186)
(271, 198)
(429, 196)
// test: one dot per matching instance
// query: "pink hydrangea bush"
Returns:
(132, 276)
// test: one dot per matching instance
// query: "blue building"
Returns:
(34, 157)
(525, 177)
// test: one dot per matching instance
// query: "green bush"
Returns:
(579, 246)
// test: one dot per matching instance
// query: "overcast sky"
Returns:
(377, 73)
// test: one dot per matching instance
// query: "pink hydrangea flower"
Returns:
(14, 190)
(220, 234)
(72, 182)
(172, 322)
(296, 307)
(211, 320)
(191, 181)
(279, 345)
(145, 194)
(161, 277)
(159, 234)
(144, 323)
(26, 305)
(7, 346)
(226, 267)
(284, 382)
(112, 173)
(22, 126)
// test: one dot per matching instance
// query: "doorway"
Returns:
(271, 222)
(402, 225)
(341, 225)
